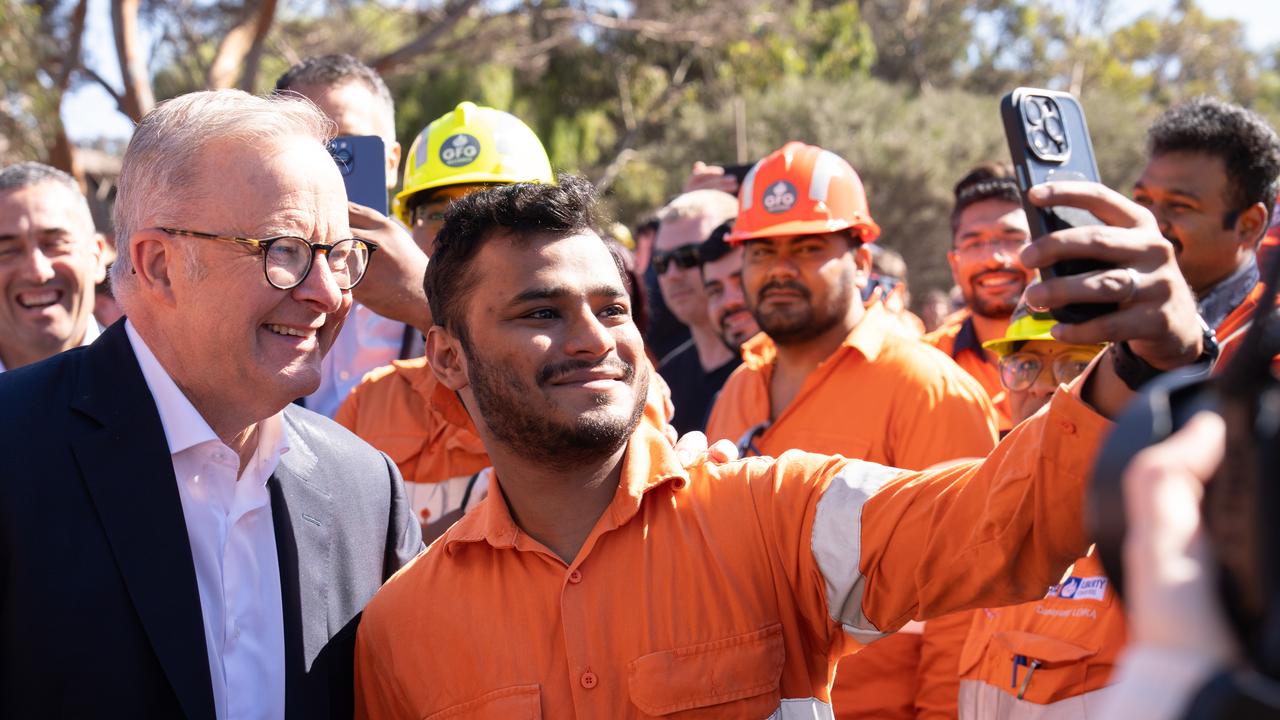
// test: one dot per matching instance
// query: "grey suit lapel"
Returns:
(126, 468)
(302, 509)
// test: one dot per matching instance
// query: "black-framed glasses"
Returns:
(1019, 370)
(287, 260)
(685, 256)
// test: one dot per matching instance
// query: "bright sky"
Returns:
(89, 112)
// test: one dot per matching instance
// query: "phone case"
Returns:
(362, 160)
(1049, 140)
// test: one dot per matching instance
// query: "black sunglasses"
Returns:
(685, 256)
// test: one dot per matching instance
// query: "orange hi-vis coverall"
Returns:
(1054, 657)
(1048, 659)
(904, 404)
(719, 590)
(957, 338)
(404, 411)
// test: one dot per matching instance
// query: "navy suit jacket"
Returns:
(99, 611)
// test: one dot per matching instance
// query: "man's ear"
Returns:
(862, 266)
(154, 260)
(1251, 224)
(445, 356)
(104, 255)
(393, 165)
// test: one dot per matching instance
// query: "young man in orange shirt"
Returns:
(988, 230)
(803, 222)
(601, 579)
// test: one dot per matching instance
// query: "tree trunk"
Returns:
(239, 52)
(138, 97)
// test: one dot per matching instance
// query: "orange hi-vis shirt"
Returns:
(900, 403)
(719, 590)
(912, 408)
(1051, 658)
(957, 338)
(404, 411)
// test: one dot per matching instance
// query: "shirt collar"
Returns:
(967, 339)
(867, 337)
(184, 426)
(649, 461)
(1222, 298)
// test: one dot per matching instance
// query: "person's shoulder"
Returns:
(945, 333)
(335, 448)
(39, 389)
(926, 367)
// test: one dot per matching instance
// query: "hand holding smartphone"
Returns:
(1049, 141)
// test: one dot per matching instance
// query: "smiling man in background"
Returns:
(988, 229)
(50, 260)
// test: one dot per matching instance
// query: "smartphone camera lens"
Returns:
(1053, 126)
(1040, 140)
(341, 156)
(1034, 112)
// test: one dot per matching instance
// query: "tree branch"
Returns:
(138, 98)
(115, 94)
(425, 42)
(622, 152)
(241, 48)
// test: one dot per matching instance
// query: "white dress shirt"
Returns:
(91, 333)
(366, 342)
(233, 545)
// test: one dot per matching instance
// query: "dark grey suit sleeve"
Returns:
(404, 534)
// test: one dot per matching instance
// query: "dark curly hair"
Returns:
(1249, 148)
(988, 181)
(520, 211)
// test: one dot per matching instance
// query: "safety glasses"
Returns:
(1018, 371)
(685, 256)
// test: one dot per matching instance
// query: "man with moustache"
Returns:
(604, 580)
(988, 230)
(697, 369)
(50, 260)
(802, 224)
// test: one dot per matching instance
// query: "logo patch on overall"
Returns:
(1081, 588)
(779, 197)
(458, 150)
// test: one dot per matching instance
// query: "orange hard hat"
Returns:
(802, 190)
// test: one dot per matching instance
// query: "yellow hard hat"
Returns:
(1025, 325)
(472, 145)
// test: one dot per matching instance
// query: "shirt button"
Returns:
(589, 680)
(344, 375)
(1068, 427)
(575, 577)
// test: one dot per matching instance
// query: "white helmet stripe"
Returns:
(747, 193)
(827, 167)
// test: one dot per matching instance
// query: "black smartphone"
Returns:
(1049, 141)
(362, 159)
(738, 171)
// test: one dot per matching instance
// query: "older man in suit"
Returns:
(176, 539)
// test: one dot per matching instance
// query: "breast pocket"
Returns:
(518, 702)
(734, 677)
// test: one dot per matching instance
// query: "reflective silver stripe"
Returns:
(826, 167)
(980, 701)
(747, 193)
(802, 709)
(837, 543)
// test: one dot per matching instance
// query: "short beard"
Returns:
(508, 407)
(794, 327)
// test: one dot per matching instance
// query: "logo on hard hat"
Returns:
(458, 150)
(779, 197)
